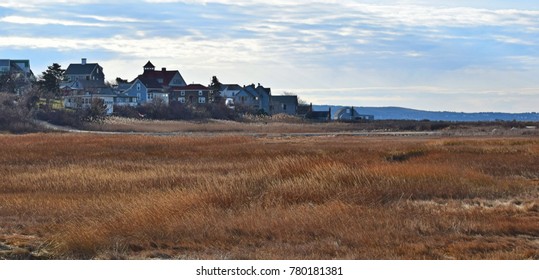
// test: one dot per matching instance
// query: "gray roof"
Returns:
(285, 99)
(92, 84)
(231, 87)
(124, 87)
(343, 110)
(4, 62)
(81, 69)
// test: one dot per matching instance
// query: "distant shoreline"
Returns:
(400, 113)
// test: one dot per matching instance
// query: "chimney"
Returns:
(329, 113)
(164, 69)
(83, 61)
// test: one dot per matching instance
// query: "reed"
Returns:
(232, 197)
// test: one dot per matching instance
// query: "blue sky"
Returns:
(469, 56)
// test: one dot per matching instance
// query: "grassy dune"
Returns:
(227, 197)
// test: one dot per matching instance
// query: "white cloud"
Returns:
(513, 40)
(387, 14)
(47, 21)
(112, 19)
(37, 4)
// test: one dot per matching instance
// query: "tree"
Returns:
(7, 83)
(215, 88)
(15, 115)
(51, 78)
(97, 111)
(120, 81)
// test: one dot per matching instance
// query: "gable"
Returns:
(80, 69)
(177, 80)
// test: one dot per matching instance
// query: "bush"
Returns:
(16, 114)
(127, 112)
(61, 117)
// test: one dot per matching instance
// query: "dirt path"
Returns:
(58, 128)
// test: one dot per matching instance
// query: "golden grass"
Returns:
(231, 197)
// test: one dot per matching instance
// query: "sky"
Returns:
(464, 56)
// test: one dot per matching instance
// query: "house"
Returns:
(92, 73)
(307, 112)
(257, 98)
(84, 101)
(351, 114)
(230, 90)
(240, 96)
(136, 89)
(18, 66)
(284, 104)
(85, 79)
(15, 75)
(193, 94)
(162, 80)
(158, 84)
(83, 83)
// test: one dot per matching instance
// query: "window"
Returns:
(284, 107)
(199, 93)
(181, 99)
(138, 86)
(242, 99)
(202, 100)
(182, 93)
(150, 95)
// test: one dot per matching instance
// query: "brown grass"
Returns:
(282, 124)
(229, 197)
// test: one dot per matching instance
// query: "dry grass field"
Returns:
(73, 196)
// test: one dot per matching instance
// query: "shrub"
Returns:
(127, 112)
(16, 114)
(61, 117)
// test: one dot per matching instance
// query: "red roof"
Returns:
(192, 87)
(161, 77)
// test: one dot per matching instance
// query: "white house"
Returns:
(84, 101)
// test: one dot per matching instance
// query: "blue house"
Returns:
(261, 96)
(135, 89)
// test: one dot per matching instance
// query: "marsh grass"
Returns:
(229, 197)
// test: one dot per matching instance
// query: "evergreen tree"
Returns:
(215, 88)
(51, 78)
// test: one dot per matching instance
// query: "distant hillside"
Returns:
(398, 113)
